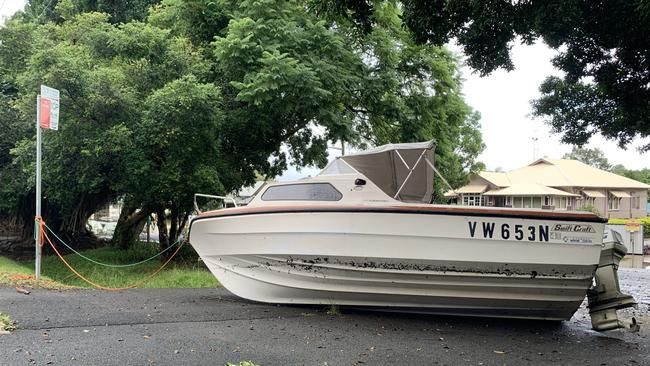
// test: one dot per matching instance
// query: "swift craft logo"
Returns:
(574, 228)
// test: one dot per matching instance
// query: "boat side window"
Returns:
(302, 192)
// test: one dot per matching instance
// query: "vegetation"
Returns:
(594, 157)
(645, 221)
(6, 323)
(13, 273)
(184, 271)
(602, 51)
(206, 96)
(590, 208)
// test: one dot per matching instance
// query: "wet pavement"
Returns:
(211, 327)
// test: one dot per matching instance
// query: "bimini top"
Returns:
(402, 171)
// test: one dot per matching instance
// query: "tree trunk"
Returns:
(129, 226)
(173, 228)
(161, 222)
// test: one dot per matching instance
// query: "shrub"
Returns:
(589, 208)
(645, 221)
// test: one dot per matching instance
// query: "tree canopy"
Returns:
(604, 53)
(206, 96)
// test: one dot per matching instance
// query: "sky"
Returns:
(503, 99)
(8, 7)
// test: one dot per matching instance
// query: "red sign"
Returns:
(44, 119)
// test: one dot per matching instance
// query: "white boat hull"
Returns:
(438, 263)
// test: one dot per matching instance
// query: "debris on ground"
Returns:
(23, 291)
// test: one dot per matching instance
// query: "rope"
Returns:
(112, 288)
(106, 264)
(41, 232)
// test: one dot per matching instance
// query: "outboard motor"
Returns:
(605, 296)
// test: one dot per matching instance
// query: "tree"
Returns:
(412, 92)
(283, 73)
(179, 137)
(206, 96)
(120, 11)
(603, 51)
(104, 72)
(594, 157)
(375, 88)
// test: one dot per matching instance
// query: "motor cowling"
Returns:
(605, 296)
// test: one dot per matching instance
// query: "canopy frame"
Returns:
(397, 169)
(411, 169)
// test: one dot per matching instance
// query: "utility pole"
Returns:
(38, 188)
(535, 147)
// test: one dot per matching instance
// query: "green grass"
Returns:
(9, 266)
(183, 271)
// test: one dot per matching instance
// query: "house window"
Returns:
(561, 203)
(508, 201)
(517, 202)
(614, 203)
(536, 202)
(548, 201)
(472, 199)
(488, 201)
(636, 203)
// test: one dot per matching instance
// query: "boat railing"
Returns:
(224, 198)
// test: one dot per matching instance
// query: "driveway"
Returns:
(212, 327)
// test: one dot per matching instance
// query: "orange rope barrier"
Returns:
(41, 229)
(104, 287)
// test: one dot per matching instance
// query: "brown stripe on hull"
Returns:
(398, 209)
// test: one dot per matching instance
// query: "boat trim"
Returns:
(420, 210)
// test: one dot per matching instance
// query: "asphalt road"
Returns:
(212, 327)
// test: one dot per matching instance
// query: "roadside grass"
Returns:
(6, 323)
(183, 271)
(18, 274)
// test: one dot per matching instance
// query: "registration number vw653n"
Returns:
(492, 230)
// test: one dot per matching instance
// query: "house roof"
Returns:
(571, 173)
(561, 173)
(472, 188)
(499, 179)
(528, 189)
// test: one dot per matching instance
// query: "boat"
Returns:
(363, 233)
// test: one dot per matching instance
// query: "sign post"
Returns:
(47, 116)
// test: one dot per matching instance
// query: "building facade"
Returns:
(556, 184)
